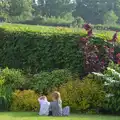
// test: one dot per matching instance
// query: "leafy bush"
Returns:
(45, 81)
(83, 95)
(111, 78)
(13, 78)
(107, 27)
(97, 53)
(24, 101)
(5, 95)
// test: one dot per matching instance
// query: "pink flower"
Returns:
(87, 27)
(115, 37)
(118, 55)
(84, 39)
(111, 50)
(118, 62)
(90, 33)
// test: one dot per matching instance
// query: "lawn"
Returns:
(34, 116)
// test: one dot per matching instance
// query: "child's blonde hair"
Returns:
(56, 95)
(43, 97)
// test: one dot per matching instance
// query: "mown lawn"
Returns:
(34, 116)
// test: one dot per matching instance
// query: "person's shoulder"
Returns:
(48, 103)
(60, 101)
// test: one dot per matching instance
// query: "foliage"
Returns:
(111, 79)
(83, 95)
(45, 81)
(24, 101)
(4, 9)
(107, 27)
(40, 48)
(93, 11)
(57, 8)
(52, 21)
(47, 48)
(110, 18)
(21, 6)
(78, 22)
(97, 53)
(13, 78)
(5, 95)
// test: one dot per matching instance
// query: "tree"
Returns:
(116, 6)
(110, 17)
(57, 8)
(92, 10)
(4, 9)
(19, 7)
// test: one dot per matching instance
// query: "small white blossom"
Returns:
(109, 95)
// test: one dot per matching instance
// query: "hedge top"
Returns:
(39, 29)
(106, 35)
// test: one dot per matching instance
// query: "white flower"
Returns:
(98, 74)
(109, 95)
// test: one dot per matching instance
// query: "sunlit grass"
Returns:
(106, 34)
(35, 116)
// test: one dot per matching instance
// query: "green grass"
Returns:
(34, 116)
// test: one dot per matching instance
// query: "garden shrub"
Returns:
(111, 80)
(2, 104)
(45, 81)
(5, 95)
(83, 95)
(24, 101)
(13, 78)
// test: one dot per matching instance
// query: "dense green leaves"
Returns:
(44, 82)
(110, 18)
(111, 80)
(92, 11)
(37, 51)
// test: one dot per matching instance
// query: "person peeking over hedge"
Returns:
(55, 108)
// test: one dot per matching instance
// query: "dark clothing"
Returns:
(56, 108)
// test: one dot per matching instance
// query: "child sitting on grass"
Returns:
(56, 106)
(44, 106)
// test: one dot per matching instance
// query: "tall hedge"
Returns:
(39, 50)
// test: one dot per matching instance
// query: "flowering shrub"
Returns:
(97, 53)
(118, 58)
(111, 78)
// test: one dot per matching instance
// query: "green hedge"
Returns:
(107, 27)
(39, 49)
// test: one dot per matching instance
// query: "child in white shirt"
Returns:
(44, 106)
